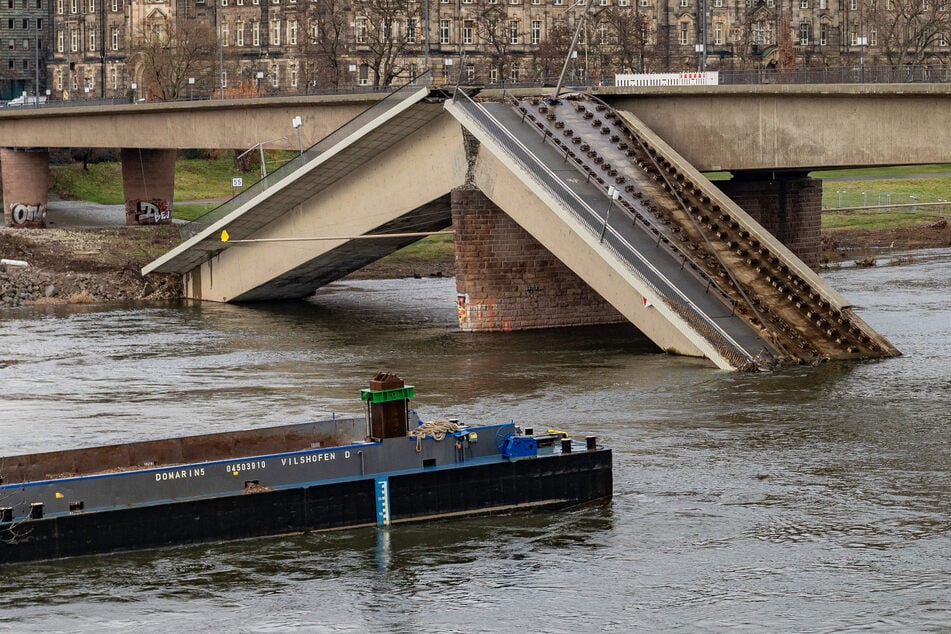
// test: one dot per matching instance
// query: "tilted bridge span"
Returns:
(622, 213)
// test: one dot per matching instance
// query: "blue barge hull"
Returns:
(383, 469)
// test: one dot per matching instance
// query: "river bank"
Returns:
(103, 264)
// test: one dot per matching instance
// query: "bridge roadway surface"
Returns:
(764, 127)
(355, 184)
(654, 263)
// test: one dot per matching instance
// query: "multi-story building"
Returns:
(24, 40)
(168, 49)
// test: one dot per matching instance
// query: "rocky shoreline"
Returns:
(102, 265)
(83, 266)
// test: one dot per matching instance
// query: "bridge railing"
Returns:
(614, 241)
(375, 111)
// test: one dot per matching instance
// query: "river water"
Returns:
(807, 500)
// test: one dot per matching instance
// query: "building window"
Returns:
(276, 32)
(115, 38)
(224, 34)
(74, 6)
(513, 31)
(644, 3)
(444, 31)
(684, 37)
(73, 40)
(602, 33)
(255, 33)
(493, 75)
(718, 3)
(854, 5)
(803, 4)
(873, 37)
(59, 79)
(115, 9)
(411, 31)
(514, 72)
(91, 6)
(718, 32)
(59, 41)
(823, 34)
(685, 3)
(294, 75)
(467, 30)
(805, 33)
(622, 3)
(361, 26)
(292, 32)
(470, 73)
(275, 75)
(536, 31)
(59, 7)
(239, 34)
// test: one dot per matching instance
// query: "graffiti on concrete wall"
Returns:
(26, 215)
(148, 212)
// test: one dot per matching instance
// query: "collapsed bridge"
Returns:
(565, 212)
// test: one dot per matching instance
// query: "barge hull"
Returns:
(548, 482)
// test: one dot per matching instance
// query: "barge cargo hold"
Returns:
(382, 468)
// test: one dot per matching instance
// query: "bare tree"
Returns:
(168, 53)
(631, 33)
(326, 43)
(908, 30)
(551, 52)
(495, 30)
(386, 29)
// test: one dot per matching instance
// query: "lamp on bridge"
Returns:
(297, 123)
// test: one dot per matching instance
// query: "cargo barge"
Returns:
(382, 468)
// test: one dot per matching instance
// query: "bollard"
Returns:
(591, 442)
(565, 445)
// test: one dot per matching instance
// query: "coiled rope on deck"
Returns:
(435, 428)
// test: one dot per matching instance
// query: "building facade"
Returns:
(175, 49)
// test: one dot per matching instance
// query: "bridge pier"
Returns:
(148, 185)
(787, 203)
(25, 175)
(506, 280)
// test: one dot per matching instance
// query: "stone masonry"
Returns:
(25, 187)
(506, 280)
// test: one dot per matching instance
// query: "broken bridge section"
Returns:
(366, 190)
(655, 238)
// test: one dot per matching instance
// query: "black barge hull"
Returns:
(545, 482)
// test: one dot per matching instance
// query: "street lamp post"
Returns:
(191, 85)
(297, 122)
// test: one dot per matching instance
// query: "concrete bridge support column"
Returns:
(25, 186)
(787, 204)
(506, 280)
(148, 184)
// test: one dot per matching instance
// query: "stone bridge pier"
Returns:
(506, 280)
(148, 184)
(25, 175)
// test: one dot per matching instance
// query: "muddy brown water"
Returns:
(807, 500)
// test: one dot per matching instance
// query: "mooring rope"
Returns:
(435, 428)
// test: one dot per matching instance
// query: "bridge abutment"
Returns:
(25, 186)
(506, 280)
(787, 204)
(148, 185)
